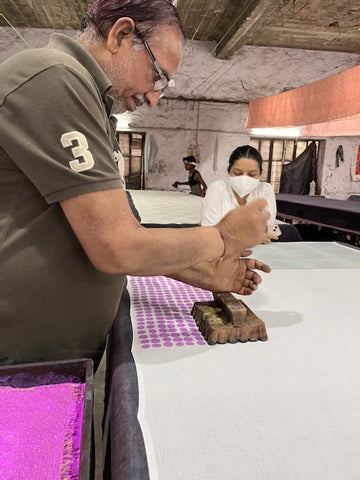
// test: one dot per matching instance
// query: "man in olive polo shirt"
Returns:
(67, 233)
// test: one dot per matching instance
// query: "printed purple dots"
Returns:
(162, 312)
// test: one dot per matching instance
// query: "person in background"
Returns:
(239, 188)
(196, 182)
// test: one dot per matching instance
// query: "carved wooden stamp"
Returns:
(227, 319)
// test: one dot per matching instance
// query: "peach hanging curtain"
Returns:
(332, 98)
(339, 128)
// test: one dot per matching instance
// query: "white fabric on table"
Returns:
(285, 409)
(167, 207)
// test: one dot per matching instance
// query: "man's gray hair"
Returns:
(149, 16)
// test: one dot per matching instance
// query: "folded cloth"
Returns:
(40, 431)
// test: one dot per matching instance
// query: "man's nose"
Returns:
(152, 98)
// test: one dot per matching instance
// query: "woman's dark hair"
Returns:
(149, 16)
(245, 151)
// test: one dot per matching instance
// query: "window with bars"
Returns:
(132, 149)
(278, 152)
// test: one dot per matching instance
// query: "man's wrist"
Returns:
(222, 236)
(220, 247)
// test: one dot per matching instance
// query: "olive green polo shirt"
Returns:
(56, 142)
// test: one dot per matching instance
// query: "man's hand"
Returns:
(244, 227)
(225, 274)
(237, 275)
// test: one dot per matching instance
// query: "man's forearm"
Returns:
(167, 252)
(200, 275)
(116, 243)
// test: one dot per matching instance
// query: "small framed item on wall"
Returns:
(355, 166)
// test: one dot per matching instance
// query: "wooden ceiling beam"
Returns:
(298, 34)
(262, 12)
(66, 14)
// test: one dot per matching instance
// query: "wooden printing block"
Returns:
(227, 319)
(234, 309)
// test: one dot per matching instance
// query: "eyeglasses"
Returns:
(163, 79)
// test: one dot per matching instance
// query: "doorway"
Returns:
(132, 149)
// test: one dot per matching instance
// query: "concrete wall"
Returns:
(337, 182)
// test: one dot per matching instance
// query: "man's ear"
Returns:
(121, 30)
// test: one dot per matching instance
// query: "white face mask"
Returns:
(243, 184)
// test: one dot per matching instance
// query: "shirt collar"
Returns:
(73, 48)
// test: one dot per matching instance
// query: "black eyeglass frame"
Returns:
(163, 80)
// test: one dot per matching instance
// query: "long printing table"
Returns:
(338, 214)
(285, 409)
(178, 210)
(153, 207)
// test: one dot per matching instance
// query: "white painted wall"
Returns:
(337, 182)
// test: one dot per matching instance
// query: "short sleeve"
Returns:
(60, 137)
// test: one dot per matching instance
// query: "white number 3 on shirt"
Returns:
(83, 157)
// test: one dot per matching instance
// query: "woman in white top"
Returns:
(240, 187)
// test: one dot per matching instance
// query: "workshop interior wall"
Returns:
(179, 128)
(213, 129)
(337, 177)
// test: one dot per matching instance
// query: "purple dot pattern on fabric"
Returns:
(162, 309)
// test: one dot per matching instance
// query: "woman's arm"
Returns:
(175, 184)
(212, 205)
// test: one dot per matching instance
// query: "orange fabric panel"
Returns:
(339, 128)
(332, 98)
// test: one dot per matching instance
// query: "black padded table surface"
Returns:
(339, 214)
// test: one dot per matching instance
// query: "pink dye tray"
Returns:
(79, 371)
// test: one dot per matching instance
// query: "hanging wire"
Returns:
(186, 10)
(229, 29)
(17, 33)
(8, 34)
(213, 83)
(198, 121)
(201, 21)
(206, 80)
(214, 49)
